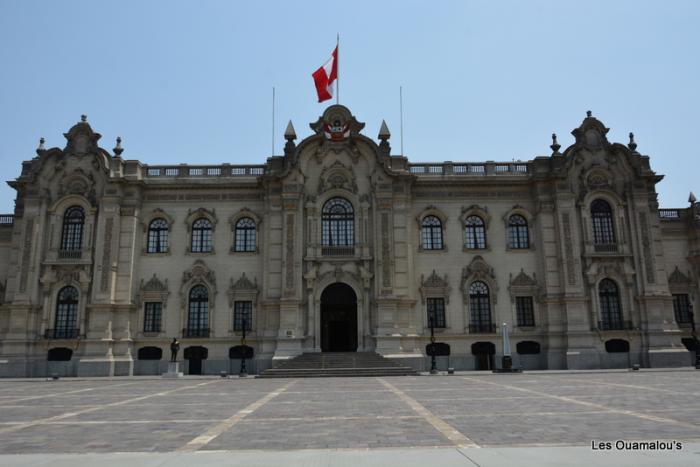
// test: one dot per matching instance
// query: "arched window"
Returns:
(338, 223)
(610, 313)
(201, 236)
(603, 230)
(73, 223)
(475, 233)
(431, 233)
(479, 308)
(157, 236)
(198, 312)
(518, 237)
(66, 323)
(245, 235)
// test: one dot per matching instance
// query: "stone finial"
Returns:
(118, 149)
(41, 147)
(555, 146)
(691, 198)
(83, 118)
(289, 133)
(589, 114)
(384, 133)
(632, 145)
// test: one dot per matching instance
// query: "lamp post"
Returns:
(433, 363)
(695, 336)
(243, 373)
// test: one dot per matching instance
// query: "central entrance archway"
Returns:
(338, 318)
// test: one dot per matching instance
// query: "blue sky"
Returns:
(191, 82)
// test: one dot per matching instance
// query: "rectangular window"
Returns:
(681, 308)
(436, 310)
(241, 311)
(524, 310)
(152, 316)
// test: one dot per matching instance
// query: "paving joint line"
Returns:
(455, 436)
(216, 430)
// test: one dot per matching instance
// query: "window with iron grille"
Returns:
(681, 308)
(610, 312)
(602, 218)
(338, 223)
(475, 233)
(431, 233)
(152, 316)
(479, 304)
(436, 312)
(245, 235)
(518, 236)
(201, 236)
(198, 315)
(157, 236)
(525, 311)
(242, 310)
(73, 223)
(66, 312)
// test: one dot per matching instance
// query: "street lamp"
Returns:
(695, 336)
(243, 373)
(433, 363)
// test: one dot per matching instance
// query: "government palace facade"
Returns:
(340, 246)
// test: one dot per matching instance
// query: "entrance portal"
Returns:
(338, 319)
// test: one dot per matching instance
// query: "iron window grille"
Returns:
(245, 240)
(198, 312)
(157, 236)
(524, 311)
(431, 233)
(73, 223)
(242, 310)
(681, 308)
(475, 233)
(338, 223)
(479, 307)
(201, 236)
(602, 218)
(152, 316)
(436, 312)
(66, 313)
(518, 235)
(610, 312)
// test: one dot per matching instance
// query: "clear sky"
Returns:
(191, 82)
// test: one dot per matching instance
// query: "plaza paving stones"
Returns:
(441, 412)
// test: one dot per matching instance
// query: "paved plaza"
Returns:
(459, 414)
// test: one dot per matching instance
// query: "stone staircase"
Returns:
(333, 364)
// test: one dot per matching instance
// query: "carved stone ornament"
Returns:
(522, 280)
(199, 273)
(243, 289)
(677, 278)
(337, 124)
(337, 176)
(434, 286)
(154, 285)
(591, 134)
(153, 290)
(81, 139)
(243, 283)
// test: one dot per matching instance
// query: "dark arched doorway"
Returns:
(483, 353)
(194, 355)
(338, 319)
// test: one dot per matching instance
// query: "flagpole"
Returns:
(401, 115)
(273, 121)
(337, 77)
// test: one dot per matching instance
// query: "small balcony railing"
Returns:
(605, 247)
(70, 254)
(62, 333)
(338, 251)
(195, 332)
(482, 328)
(617, 325)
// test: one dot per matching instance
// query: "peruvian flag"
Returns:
(325, 76)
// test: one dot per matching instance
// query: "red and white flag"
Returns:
(325, 76)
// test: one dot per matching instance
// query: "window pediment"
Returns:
(478, 270)
(434, 286)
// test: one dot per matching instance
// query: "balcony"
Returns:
(62, 333)
(195, 332)
(616, 325)
(482, 328)
(338, 251)
(605, 247)
(70, 254)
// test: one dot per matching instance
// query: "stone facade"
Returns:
(339, 245)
